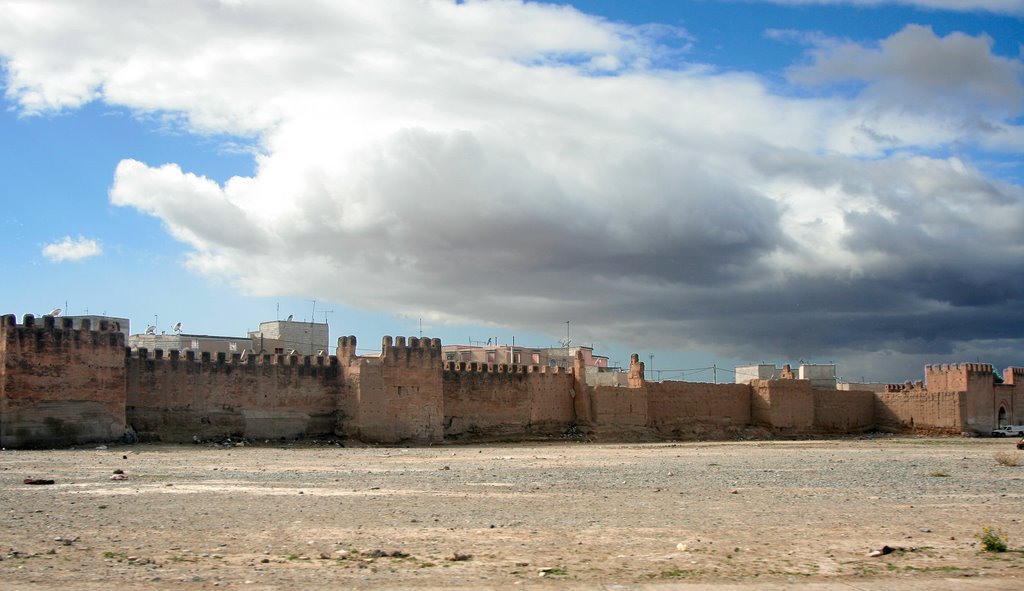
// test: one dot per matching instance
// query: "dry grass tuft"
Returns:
(1007, 458)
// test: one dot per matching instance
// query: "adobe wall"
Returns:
(177, 398)
(618, 411)
(689, 410)
(917, 410)
(59, 385)
(785, 406)
(978, 406)
(399, 394)
(843, 411)
(501, 401)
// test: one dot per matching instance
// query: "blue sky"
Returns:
(708, 182)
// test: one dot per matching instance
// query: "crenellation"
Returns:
(411, 393)
(347, 348)
(1013, 375)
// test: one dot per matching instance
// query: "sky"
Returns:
(707, 183)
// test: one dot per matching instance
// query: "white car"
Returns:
(1009, 431)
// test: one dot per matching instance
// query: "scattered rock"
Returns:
(38, 481)
(457, 557)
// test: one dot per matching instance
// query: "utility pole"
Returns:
(651, 357)
(715, 372)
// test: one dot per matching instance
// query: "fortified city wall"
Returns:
(63, 386)
(60, 385)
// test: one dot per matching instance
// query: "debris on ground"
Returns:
(38, 481)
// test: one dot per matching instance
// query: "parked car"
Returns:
(1009, 431)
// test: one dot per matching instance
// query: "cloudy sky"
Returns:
(708, 182)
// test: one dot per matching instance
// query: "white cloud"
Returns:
(522, 164)
(69, 249)
(915, 70)
(1012, 7)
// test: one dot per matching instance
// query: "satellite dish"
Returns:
(565, 342)
(320, 353)
(177, 327)
(289, 318)
(150, 329)
(55, 312)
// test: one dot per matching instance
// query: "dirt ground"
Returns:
(559, 515)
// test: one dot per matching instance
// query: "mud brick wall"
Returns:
(502, 401)
(400, 393)
(60, 386)
(920, 411)
(175, 398)
(688, 409)
(843, 411)
(618, 409)
(784, 406)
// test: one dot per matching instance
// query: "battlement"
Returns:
(498, 369)
(347, 348)
(1013, 375)
(956, 377)
(307, 364)
(29, 335)
(423, 352)
(982, 368)
(907, 386)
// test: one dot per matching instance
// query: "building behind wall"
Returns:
(564, 357)
(198, 343)
(821, 376)
(287, 336)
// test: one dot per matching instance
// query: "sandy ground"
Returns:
(565, 515)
